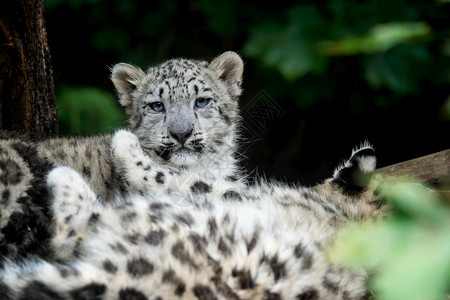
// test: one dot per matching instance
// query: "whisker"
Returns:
(241, 154)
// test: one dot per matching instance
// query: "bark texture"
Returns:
(27, 93)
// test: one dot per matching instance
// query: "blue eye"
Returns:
(202, 102)
(157, 106)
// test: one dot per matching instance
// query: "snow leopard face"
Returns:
(184, 111)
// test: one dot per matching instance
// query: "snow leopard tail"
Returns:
(349, 190)
(354, 175)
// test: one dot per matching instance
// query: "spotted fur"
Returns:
(183, 136)
(191, 237)
(25, 218)
(160, 211)
(179, 84)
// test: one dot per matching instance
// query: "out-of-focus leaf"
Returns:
(290, 48)
(415, 201)
(87, 111)
(418, 270)
(362, 245)
(399, 69)
(312, 89)
(222, 15)
(74, 4)
(126, 8)
(108, 39)
(149, 24)
(49, 4)
(380, 38)
(409, 250)
(445, 110)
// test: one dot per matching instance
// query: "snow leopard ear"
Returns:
(354, 176)
(126, 78)
(229, 67)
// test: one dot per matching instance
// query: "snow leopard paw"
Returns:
(130, 160)
(75, 209)
(138, 170)
(69, 190)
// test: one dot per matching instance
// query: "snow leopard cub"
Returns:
(184, 112)
(206, 240)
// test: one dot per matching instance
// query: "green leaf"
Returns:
(399, 69)
(420, 271)
(409, 250)
(111, 39)
(445, 110)
(414, 200)
(312, 89)
(87, 111)
(221, 15)
(291, 47)
(362, 245)
(380, 38)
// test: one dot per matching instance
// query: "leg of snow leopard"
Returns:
(75, 211)
(75, 208)
(143, 175)
(41, 279)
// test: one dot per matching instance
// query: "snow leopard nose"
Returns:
(181, 136)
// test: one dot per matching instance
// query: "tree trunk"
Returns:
(27, 93)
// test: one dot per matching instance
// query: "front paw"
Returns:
(125, 144)
(68, 186)
(130, 161)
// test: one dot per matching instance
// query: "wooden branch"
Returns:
(433, 168)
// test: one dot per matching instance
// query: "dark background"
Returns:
(320, 76)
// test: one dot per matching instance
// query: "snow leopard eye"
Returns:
(202, 102)
(157, 106)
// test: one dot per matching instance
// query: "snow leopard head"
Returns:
(185, 111)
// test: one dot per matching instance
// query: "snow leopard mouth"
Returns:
(181, 151)
(188, 149)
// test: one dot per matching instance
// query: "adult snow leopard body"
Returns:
(204, 239)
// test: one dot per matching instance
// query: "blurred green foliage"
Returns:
(87, 111)
(380, 38)
(409, 250)
(306, 39)
(445, 110)
(395, 45)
